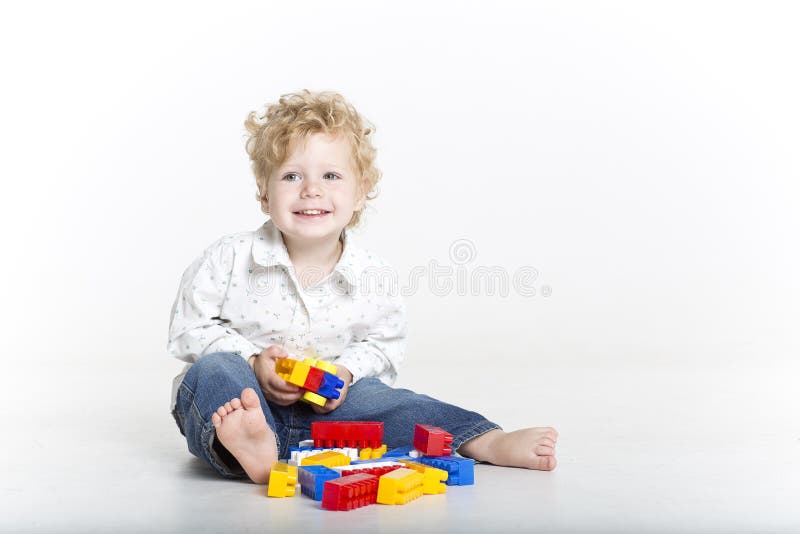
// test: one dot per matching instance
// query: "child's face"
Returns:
(318, 174)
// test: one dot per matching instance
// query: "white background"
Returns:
(643, 157)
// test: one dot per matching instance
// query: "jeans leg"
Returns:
(211, 382)
(369, 399)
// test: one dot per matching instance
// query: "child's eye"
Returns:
(331, 176)
(291, 177)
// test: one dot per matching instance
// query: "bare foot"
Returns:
(243, 430)
(532, 448)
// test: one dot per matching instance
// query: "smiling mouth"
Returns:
(311, 213)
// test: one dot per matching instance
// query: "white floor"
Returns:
(670, 449)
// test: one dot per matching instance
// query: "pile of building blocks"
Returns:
(329, 472)
(347, 434)
(317, 377)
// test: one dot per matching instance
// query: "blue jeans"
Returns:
(217, 378)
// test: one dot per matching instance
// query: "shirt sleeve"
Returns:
(196, 327)
(382, 349)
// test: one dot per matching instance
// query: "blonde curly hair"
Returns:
(298, 115)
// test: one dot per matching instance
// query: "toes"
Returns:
(544, 450)
(550, 442)
(545, 463)
(216, 420)
(236, 403)
(228, 407)
(221, 411)
(250, 399)
(549, 433)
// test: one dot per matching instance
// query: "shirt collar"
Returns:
(270, 250)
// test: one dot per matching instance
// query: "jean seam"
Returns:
(477, 430)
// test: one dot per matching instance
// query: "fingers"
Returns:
(275, 351)
(279, 385)
(331, 404)
(320, 409)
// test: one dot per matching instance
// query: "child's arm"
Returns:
(378, 353)
(195, 327)
(381, 349)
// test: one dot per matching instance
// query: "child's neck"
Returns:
(313, 260)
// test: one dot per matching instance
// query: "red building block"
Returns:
(349, 492)
(432, 440)
(377, 471)
(362, 434)
(314, 379)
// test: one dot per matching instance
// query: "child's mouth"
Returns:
(311, 214)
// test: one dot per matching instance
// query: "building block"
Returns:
(296, 454)
(373, 468)
(314, 378)
(399, 486)
(381, 460)
(460, 471)
(347, 434)
(361, 465)
(432, 440)
(317, 377)
(328, 459)
(408, 450)
(313, 398)
(368, 453)
(282, 480)
(433, 479)
(293, 371)
(352, 491)
(377, 471)
(321, 381)
(312, 479)
(330, 386)
(323, 365)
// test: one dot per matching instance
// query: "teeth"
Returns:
(311, 212)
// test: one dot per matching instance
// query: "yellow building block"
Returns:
(327, 458)
(370, 454)
(293, 371)
(328, 367)
(433, 479)
(282, 480)
(314, 398)
(399, 486)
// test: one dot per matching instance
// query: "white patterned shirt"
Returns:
(242, 295)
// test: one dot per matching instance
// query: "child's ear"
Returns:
(361, 198)
(360, 201)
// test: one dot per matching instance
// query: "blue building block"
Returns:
(330, 385)
(460, 471)
(398, 451)
(312, 479)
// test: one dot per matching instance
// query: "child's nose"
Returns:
(311, 189)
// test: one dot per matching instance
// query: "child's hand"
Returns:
(275, 388)
(332, 404)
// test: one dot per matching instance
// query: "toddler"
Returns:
(297, 286)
